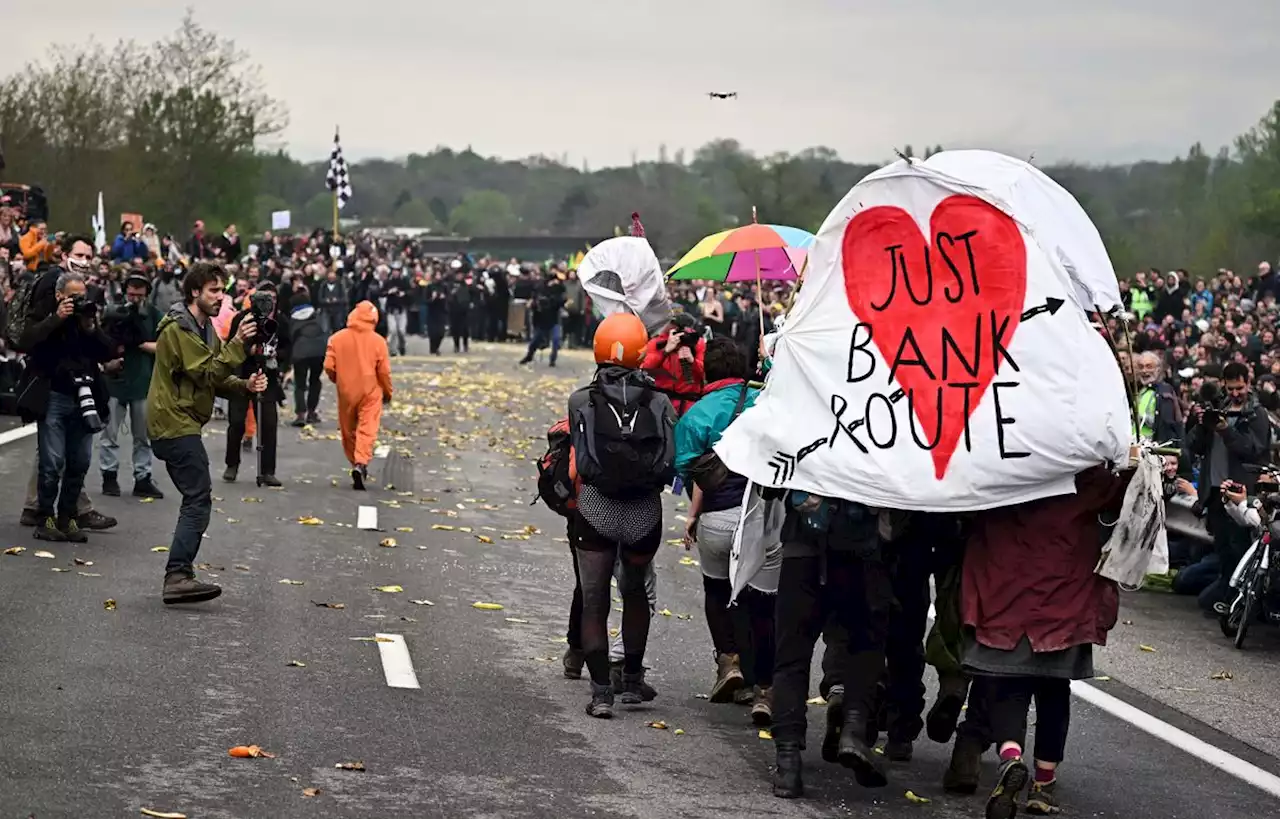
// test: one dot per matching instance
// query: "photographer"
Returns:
(268, 353)
(675, 360)
(548, 301)
(62, 388)
(191, 366)
(1228, 433)
(131, 326)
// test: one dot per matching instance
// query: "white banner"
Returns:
(280, 220)
(938, 356)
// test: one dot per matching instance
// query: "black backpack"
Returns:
(622, 438)
(19, 306)
(554, 486)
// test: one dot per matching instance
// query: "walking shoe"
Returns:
(965, 771)
(728, 678)
(247, 445)
(110, 485)
(313, 417)
(95, 521)
(744, 695)
(1042, 801)
(835, 722)
(601, 705)
(574, 660)
(762, 705)
(940, 722)
(31, 517)
(788, 778)
(856, 755)
(144, 488)
(48, 530)
(269, 480)
(635, 690)
(899, 750)
(299, 421)
(71, 531)
(1003, 801)
(182, 587)
(358, 473)
(230, 474)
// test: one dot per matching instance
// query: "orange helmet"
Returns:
(621, 339)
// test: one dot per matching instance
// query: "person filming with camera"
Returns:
(674, 359)
(62, 387)
(268, 353)
(191, 367)
(132, 326)
(1229, 431)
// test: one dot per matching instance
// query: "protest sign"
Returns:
(280, 220)
(939, 356)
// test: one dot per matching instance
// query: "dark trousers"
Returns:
(306, 384)
(265, 414)
(64, 447)
(904, 689)
(436, 326)
(187, 462)
(498, 319)
(1008, 700)
(857, 596)
(460, 330)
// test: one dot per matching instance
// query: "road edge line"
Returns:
(1178, 738)
(17, 434)
(397, 666)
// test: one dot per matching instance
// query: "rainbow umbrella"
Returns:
(741, 254)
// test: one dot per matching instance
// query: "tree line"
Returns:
(172, 129)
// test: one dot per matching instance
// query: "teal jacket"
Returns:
(702, 425)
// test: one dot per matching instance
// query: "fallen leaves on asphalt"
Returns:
(484, 538)
(765, 734)
(487, 606)
(389, 589)
(1146, 648)
(388, 543)
(326, 605)
(310, 521)
(45, 555)
(159, 548)
(109, 604)
(350, 766)
(15, 550)
(147, 500)
(1223, 675)
(371, 639)
(296, 664)
(81, 562)
(815, 701)
(404, 528)
(422, 602)
(157, 814)
(250, 752)
(659, 725)
(309, 792)
(917, 800)
(288, 582)
(517, 620)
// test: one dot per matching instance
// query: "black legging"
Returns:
(745, 629)
(306, 384)
(264, 411)
(595, 571)
(1007, 700)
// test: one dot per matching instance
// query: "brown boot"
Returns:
(182, 587)
(728, 678)
(762, 706)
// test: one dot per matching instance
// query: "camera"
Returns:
(82, 306)
(262, 308)
(123, 324)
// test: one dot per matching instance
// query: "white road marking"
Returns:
(382, 451)
(1158, 728)
(1178, 738)
(396, 665)
(17, 434)
(367, 518)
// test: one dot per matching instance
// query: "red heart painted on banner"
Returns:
(941, 307)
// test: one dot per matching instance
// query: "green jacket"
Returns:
(192, 365)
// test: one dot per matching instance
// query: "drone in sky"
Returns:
(718, 95)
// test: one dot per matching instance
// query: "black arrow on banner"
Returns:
(1050, 306)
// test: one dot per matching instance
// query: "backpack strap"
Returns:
(742, 401)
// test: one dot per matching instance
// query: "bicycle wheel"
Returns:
(1248, 611)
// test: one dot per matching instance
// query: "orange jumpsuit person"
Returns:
(357, 361)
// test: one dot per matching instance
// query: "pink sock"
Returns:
(1011, 752)
(1046, 775)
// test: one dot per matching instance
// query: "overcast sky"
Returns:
(1092, 80)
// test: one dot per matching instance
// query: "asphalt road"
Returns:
(105, 712)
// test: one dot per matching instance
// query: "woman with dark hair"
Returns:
(714, 515)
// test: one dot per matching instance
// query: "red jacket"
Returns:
(669, 375)
(1028, 569)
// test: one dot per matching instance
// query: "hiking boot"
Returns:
(71, 531)
(299, 421)
(31, 517)
(899, 750)
(728, 678)
(182, 587)
(835, 723)
(230, 474)
(1003, 801)
(855, 754)
(601, 705)
(574, 660)
(762, 706)
(269, 480)
(48, 530)
(144, 488)
(635, 690)
(95, 521)
(110, 485)
(358, 473)
(313, 417)
(788, 780)
(965, 771)
(1042, 801)
(744, 695)
(940, 722)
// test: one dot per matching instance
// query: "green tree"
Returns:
(485, 212)
(414, 213)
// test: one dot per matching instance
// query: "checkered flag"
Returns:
(338, 180)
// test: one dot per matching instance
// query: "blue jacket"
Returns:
(126, 250)
(700, 428)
